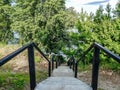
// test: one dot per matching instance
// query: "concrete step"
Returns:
(62, 83)
(63, 71)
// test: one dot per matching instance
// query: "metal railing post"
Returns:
(95, 68)
(49, 68)
(52, 63)
(76, 69)
(56, 63)
(73, 63)
(59, 60)
(70, 64)
(31, 67)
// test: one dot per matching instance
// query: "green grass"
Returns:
(82, 67)
(17, 81)
(100, 89)
(10, 80)
(2, 44)
(13, 81)
(41, 75)
(37, 59)
(111, 65)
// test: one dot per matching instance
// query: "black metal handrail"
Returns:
(52, 60)
(49, 63)
(55, 58)
(71, 62)
(30, 48)
(74, 61)
(95, 64)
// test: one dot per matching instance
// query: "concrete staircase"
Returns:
(63, 71)
(62, 79)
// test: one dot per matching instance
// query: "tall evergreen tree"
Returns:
(117, 9)
(41, 21)
(109, 11)
(99, 15)
(6, 33)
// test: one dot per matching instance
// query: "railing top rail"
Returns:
(13, 54)
(40, 52)
(108, 52)
(85, 53)
(72, 59)
(111, 54)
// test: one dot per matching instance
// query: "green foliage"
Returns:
(6, 33)
(83, 67)
(18, 81)
(44, 22)
(117, 9)
(37, 59)
(13, 81)
(102, 28)
(41, 75)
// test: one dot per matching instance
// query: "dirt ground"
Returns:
(108, 80)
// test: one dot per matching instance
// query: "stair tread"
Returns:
(62, 79)
(62, 83)
(63, 71)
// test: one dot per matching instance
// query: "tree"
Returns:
(108, 10)
(102, 28)
(44, 22)
(117, 9)
(99, 15)
(24, 19)
(6, 33)
(71, 17)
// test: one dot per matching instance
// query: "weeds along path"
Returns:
(14, 74)
(108, 80)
